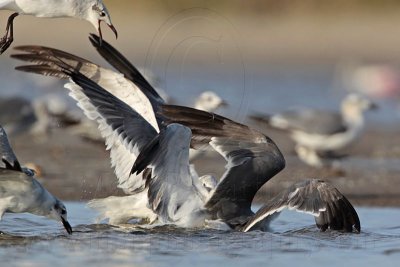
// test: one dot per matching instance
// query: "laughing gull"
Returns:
(209, 101)
(320, 133)
(153, 146)
(20, 192)
(93, 11)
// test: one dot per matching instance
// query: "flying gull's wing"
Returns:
(252, 158)
(322, 200)
(120, 125)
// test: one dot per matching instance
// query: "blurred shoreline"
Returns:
(325, 35)
(78, 170)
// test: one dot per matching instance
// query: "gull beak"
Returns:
(67, 226)
(101, 34)
(224, 104)
(373, 106)
(114, 30)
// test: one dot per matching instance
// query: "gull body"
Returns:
(93, 11)
(20, 192)
(320, 133)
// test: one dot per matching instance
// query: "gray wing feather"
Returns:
(131, 129)
(172, 191)
(8, 158)
(252, 158)
(50, 61)
(322, 200)
(310, 121)
(55, 63)
(130, 126)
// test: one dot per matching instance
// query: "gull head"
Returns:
(98, 13)
(357, 104)
(58, 212)
(209, 101)
(209, 182)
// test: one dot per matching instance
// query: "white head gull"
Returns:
(151, 141)
(319, 133)
(20, 192)
(209, 101)
(93, 11)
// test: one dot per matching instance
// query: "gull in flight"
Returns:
(20, 192)
(149, 144)
(93, 11)
(320, 133)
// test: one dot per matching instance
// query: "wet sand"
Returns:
(76, 169)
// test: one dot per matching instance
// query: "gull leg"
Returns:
(5, 203)
(8, 38)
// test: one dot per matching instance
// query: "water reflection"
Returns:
(294, 240)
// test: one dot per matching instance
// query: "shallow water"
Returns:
(33, 241)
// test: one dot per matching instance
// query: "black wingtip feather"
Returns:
(123, 65)
(47, 52)
(15, 167)
(145, 156)
(42, 70)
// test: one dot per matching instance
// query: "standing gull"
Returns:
(20, 192)
(320, 133)
(167, 190)
(93, 11)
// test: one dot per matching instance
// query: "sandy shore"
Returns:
(75, 169)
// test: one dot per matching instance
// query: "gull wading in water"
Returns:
(20, 192)
(150, 142)
(93, 11)
(320, 133)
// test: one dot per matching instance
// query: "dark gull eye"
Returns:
(63, 212)
(102, 14)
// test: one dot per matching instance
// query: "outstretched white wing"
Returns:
(54, 62)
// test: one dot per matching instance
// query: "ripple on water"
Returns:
(293, 240)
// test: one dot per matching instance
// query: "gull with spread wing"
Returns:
(157, 138)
